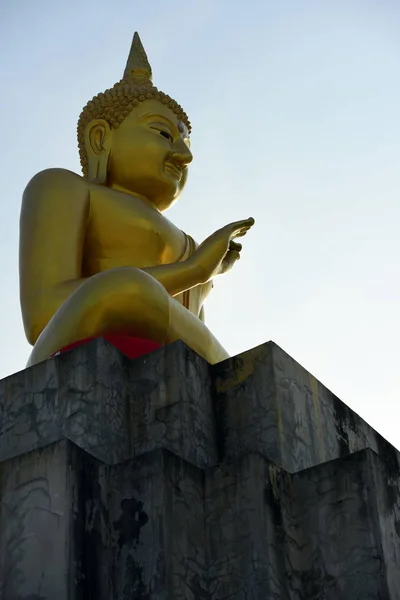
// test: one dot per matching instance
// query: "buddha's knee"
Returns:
(138, 305)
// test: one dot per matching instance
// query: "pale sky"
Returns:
(295, 112)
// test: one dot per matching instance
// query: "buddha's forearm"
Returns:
(176, 277)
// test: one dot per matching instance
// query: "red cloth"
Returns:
(132, 347)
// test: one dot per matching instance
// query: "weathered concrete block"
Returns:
(156, 512)
(342, 533)
(116, 409)
(167, 478)
(268, 403)
(331, 531)
(49, 540)
(72, 528)
(110, 406)
(244, 531)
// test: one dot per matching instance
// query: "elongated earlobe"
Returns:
(97, 141)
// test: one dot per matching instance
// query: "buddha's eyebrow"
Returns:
(156, 117)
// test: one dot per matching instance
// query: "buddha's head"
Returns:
(135, 138)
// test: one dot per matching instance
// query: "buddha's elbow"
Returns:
(34, 320)
(32, 331)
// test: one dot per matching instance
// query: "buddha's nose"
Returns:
(181, 153)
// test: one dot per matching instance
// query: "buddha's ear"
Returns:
(98, 143)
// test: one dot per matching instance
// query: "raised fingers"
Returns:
(231, 257)
(235, 246)
(240, 228)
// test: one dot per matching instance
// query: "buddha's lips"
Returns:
(175, 170)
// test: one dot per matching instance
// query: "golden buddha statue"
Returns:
(97, 256)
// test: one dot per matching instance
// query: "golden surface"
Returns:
(96, 253)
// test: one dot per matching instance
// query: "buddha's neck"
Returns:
(119, 188)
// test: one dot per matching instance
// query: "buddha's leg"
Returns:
(127, 301)
(185, 326)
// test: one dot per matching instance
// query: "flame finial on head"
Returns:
(137, 66)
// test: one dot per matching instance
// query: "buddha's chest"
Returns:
(124, 231)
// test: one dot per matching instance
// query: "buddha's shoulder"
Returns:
(56, 185)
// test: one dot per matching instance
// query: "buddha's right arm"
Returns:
(54, 215)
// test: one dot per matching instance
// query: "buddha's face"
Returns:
(149, 154)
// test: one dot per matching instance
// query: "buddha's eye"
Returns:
(167, 135)
(163, 132)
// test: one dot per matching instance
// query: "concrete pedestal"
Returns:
(167, 478)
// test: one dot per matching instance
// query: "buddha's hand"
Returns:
(219, 252)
